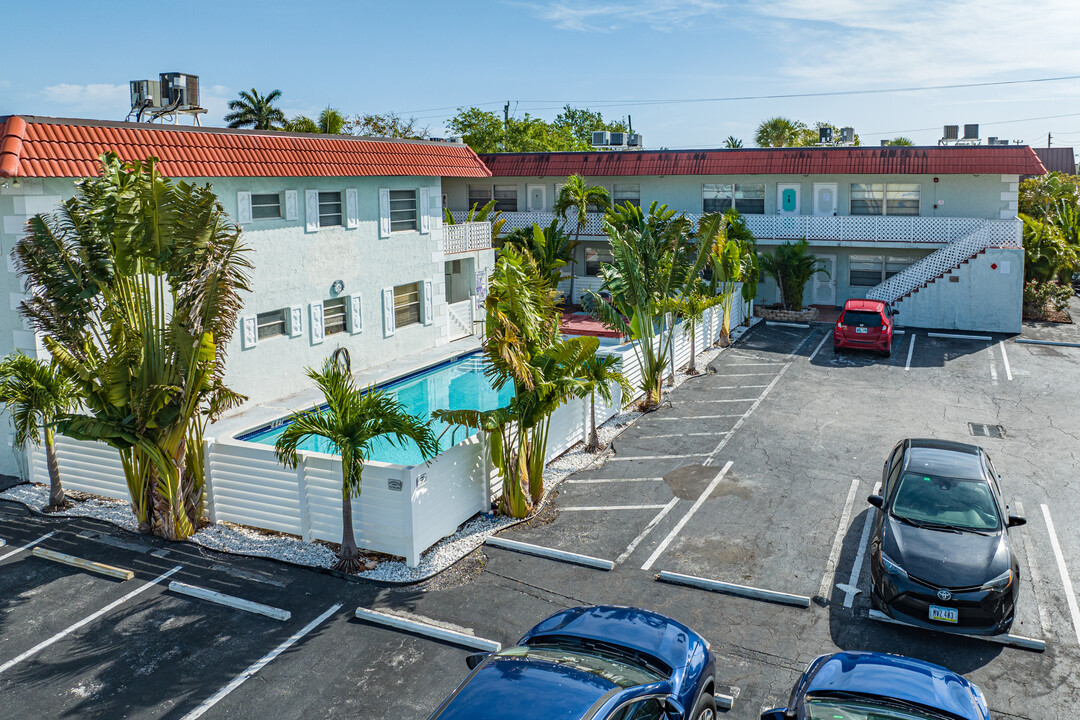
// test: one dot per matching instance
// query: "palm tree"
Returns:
(331, 121)
(300, 124)
(36, 394)
(255, 110)
(577, 197)
(550, 247)
(487, 213)
(692, 310)
(779, 132)
(731, 142)
(792, 265)
(351, 420)
(600, 374)
(900, 141)
(136, 285)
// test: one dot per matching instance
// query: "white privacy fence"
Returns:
(402, 510)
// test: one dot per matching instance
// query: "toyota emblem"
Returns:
(944, 595)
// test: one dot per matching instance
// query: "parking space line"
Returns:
(644, 533)
(686, 518)
(597, 481)
(27, 546)
(819, 346)
(700, 417)
(229, 601)
(727, 375)
(259, 665)
(829, 578)
(1070, 594)
(993, 367)
(1005, 359)
(738, 387)
(910, 349)
(1036, 575)
(589, 508)
(86, 620)
(549, 553)
(856, 570)
(770, 362)
(656, 457)
(679, 435)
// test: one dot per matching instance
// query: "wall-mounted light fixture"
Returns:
(337, 287)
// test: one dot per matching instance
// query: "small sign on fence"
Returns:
(394, 484)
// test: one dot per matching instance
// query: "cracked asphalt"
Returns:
(798, 425)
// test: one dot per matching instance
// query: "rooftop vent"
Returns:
(952, 132)
(971, 132)
(847, 135)
(825, 135)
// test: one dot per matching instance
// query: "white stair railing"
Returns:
(944, 259)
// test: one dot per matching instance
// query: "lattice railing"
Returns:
(466, 237)
(990, 233)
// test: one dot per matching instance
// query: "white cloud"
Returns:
(850, 42)
(607, 16)
(101, 99)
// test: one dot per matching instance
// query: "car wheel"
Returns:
(705, 707)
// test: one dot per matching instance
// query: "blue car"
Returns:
(868, 685)
(592, 663)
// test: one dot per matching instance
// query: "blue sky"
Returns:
(622, 57)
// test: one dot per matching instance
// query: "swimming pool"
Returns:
(459, 384)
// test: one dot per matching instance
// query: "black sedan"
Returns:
(941, 556)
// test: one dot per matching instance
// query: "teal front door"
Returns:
(787, 199)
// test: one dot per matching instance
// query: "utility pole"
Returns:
(1047, 141)
(506, 113)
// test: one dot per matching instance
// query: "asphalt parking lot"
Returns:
(754, 474)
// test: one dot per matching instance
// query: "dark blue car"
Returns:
(592, 663)
(862, 685)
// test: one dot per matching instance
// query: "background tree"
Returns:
(487, 213)
(135, 284)
(691, 310)
(779, 132)
(731, 142)
(353, 418)
(389, 125)
(255, 111)
(899, 141)
(301, 124)
(600, 375)
(577, 197)
(481, 130)
(485, 131)
(550, 247)
(581, 122)
(37, 394)
(792, 265)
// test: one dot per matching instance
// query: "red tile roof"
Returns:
(54, 147)
(951, 160)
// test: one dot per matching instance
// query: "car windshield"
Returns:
(861, 317)
(621, 671)
(950, 502)
(834, 709)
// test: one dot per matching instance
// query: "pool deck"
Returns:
(255, 415)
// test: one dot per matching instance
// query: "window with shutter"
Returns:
(334, 317)
(329, 209)
(271, 324)
(403, 210)
(265, 206)
(406, 304)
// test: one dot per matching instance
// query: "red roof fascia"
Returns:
(39, 147)
(952, 160)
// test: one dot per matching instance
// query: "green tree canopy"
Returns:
(256, 111)
(389, 125)
(485, 131)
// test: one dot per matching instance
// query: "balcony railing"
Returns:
(838, 228)
(466, 237)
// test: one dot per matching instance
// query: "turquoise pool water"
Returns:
(458, 385)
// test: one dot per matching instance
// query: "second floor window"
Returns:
(334, 316)
(265, 206)
(329, 209)
(270, 324)
(402, 210)
(885, 199)
(747, 198)
(506, 199)
(626, 193)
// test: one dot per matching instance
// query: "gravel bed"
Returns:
(239, 540)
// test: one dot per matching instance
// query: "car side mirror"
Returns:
(476, 658)
(673, 708)
(1016, 520)
(894, 313)
(876, 500)
(774, 714)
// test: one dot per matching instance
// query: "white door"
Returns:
(537, 198)
(787, 199)
(825, 285)
(825, 198)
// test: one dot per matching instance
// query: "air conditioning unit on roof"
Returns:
(633, 140)
(825, 135)
(145, 93)
(951, 132)
(847, 135)
(971, 132)
(601, 138)
(618, 139)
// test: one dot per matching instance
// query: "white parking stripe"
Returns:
(700, 417)
(856, 570)
(27, 546)
(648, 529)
(657, 457)
(586, 508)
(259, 665)
(819, 346)
(1070, 594)
(85, 621)
(910, 349)
(774, 362)
(829, 578)
(993, 367)
(594, 481)
(709, 402)
(1005, 359)
(678, 435)
(686, 518)
(1036, 575)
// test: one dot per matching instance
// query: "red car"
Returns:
(865, 325)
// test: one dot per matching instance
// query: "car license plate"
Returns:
(944, 614)
(860, 330)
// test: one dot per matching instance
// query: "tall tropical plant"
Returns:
(135, 284)
(600, 375)
(37, 394)
(655, 264)
(576, 197)
(732, 143)
(779, 132)
(487, 213)
(351, 420)
(691, 310)
(550, 247)
(256, 111)
(792, 265)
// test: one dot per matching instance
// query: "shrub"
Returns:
(1039, 296)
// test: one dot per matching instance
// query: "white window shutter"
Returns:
(311, 210)
(296, 321)
(316, 323)
(243, 207)
(251, 331)
(428, 300)
(388, 311)
(290, 205)
(356, 314)
(425, 211)
(384, 212)
(352, 213)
